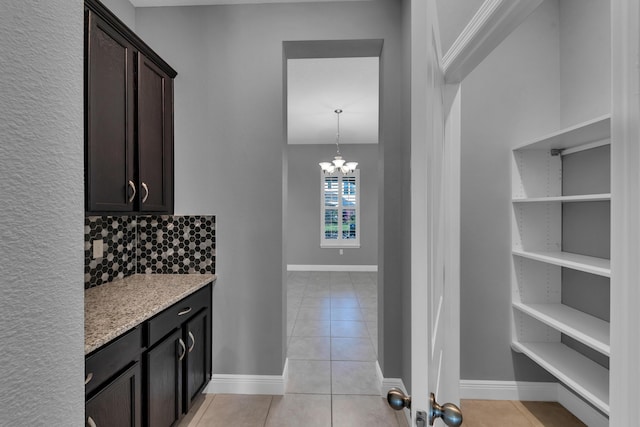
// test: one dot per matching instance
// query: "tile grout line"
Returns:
(268, 412)
(330, 354)
(329, 283)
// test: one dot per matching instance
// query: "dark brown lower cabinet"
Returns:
(150, 376)
(198, 356)
(178, 369)
(164, 381)
(119, 402)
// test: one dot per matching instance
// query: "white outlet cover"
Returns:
(98, 248)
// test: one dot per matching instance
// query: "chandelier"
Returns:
(338, 164)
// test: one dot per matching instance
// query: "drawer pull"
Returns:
(193, 341)
(185, 311)
(184, 349)
(91, 423)
(88, 378)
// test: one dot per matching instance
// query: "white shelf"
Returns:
(585, 377)
(536, 223)
(583, 327)
(566, 199)
(588, 264)
(574, 136)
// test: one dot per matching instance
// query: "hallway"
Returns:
(332, 350)
(332, 332)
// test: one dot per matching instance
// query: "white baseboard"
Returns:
(578, 407)
(387, 383)
(317, 267)
(469, 389)
(249, 384)
(380, 378)
(508, 390)
(533, 391)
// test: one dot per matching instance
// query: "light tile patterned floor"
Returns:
(332, 340)
(332, 336)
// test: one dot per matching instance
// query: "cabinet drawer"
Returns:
(112, 358)
(174, 316)
(119, 402)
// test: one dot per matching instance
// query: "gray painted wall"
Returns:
(509, 98)
(302, 230)
(124, 10)
(41, 182)
(405, 278)
(552, 72)
(585, 68)
(229, 139)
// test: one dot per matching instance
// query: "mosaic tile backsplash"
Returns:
(118, 234)
(148, 244)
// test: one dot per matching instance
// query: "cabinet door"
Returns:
(109, 115)
(118, 403)
(155, 137)
(164, 381)
(198, 365)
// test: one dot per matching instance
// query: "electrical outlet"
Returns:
(341, 251)
(98, 249)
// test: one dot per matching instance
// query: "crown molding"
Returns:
(493, 22)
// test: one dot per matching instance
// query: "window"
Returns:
(340, 215)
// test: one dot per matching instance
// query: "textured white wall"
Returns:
(41, 213)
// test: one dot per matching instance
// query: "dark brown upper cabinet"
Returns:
(155, 137)
(128, 120)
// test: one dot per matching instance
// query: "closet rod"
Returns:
(583, 147)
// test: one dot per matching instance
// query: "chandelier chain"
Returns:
(338, 163)
(338, 111)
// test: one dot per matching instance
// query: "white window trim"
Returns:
(340, 242)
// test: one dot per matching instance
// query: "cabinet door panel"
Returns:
(197, 370)
(109, 123)
(155, 137)
(119, 403)
(164, 382)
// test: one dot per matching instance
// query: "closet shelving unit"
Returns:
(539, 317)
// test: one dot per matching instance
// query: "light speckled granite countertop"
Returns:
(112, 309)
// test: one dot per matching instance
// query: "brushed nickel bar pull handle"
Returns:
(185, 311)
(91, 422)
(88, 378)
(133, 194)
(193, 341)
(146, 192)
(184, 349)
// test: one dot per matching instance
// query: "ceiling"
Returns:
(317, 86)
(154, 3)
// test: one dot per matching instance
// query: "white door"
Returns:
(435, 157)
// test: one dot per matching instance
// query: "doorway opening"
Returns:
(331, 293)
